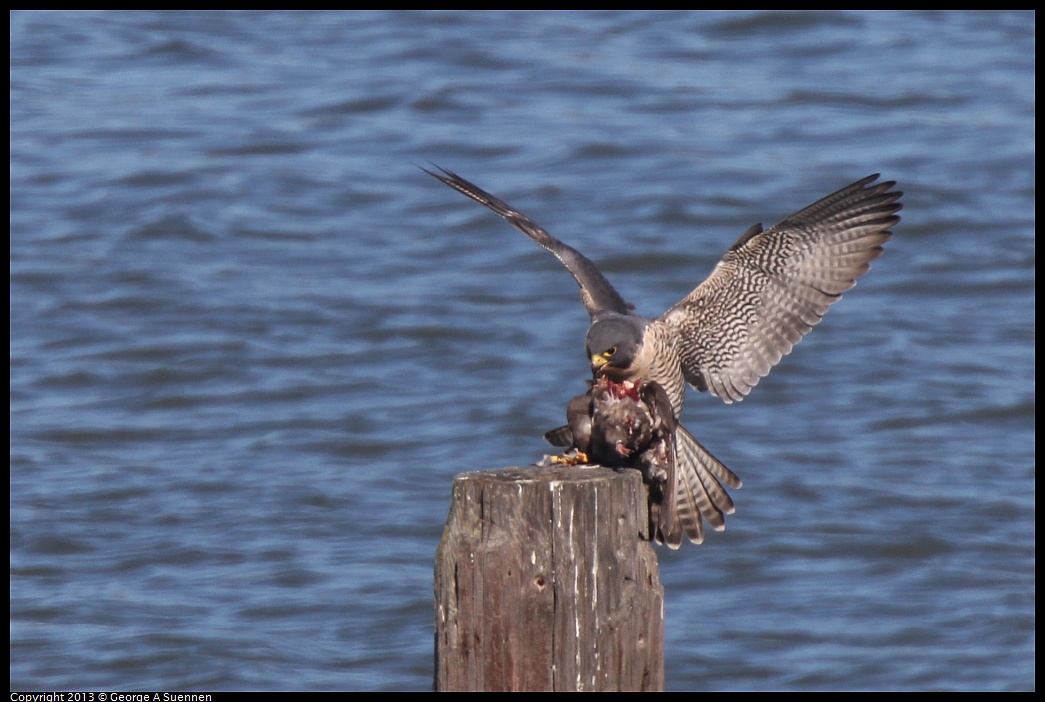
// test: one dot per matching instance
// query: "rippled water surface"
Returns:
(252, 343)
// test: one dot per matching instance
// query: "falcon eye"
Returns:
(610, 351)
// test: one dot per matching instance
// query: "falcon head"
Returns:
(613, 345)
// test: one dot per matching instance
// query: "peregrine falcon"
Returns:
(769, 289)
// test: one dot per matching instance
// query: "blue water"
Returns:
(251, 343)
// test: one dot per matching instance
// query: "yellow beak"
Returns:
(598, 360)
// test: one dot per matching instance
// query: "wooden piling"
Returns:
(545, 580)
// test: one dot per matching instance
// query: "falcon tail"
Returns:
(699, 487)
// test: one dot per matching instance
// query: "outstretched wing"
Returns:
(773, 286)
(596, 292)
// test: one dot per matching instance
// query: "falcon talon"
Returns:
(570, 458)
(767, 292)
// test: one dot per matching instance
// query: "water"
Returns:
(251, 343)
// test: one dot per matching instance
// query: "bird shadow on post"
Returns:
(545, 580)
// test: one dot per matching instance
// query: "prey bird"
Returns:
(629, 424)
